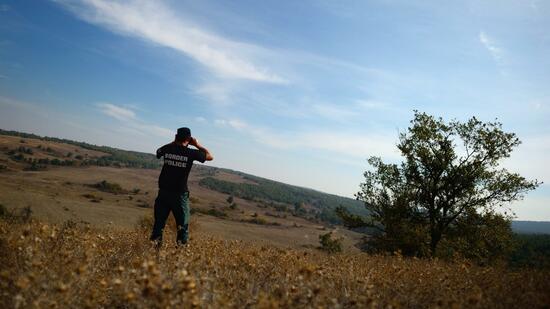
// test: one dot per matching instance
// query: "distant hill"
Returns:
(303, 202)
(531, 227)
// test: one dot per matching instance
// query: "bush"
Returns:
(92, 197)
(145, 222)
(35, 167)
(210, 212)
(109, 187)
(260, 221)
(329, 244)
(21, 215)
(142, 204)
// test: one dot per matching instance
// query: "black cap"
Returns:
(184, 132)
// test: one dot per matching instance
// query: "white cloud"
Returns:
(491, 46)
(233, 123)
(215, 93)
(154, 22)
(200, 119)
(331, 111)
(131, 123)
(349, 144)
(117, 112)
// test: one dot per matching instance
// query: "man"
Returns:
(173, 193)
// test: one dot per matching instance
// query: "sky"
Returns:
(301, 92)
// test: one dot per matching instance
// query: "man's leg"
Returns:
(162, 210)
(181, 214)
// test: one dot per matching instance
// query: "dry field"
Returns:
(52, 266)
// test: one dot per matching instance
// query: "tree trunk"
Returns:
(435, 238)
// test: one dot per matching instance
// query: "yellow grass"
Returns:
(58, 266)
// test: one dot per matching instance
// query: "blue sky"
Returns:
(297, 91)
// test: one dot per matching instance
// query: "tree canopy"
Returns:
(450, 174)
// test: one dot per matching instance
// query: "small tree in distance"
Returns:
(449, 174)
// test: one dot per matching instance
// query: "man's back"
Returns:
(178, 160)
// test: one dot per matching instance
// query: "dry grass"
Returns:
(45, 265)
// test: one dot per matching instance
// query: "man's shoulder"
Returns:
(167, 146)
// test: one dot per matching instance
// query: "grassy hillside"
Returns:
(114, 157)
(303, 202)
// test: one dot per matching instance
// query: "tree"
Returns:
(450, 173)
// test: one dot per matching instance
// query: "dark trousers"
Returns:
(178, 204)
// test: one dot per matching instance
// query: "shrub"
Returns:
(143, 204)
(16, 215)
(260, 221)
(210, 212)
(216, 213)
(329, 244)
(145, 222)
(35, 167)
(109, 187)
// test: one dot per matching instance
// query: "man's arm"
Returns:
(195, 143)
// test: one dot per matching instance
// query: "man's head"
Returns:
(183, 135)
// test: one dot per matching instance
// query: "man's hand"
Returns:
(194, 142)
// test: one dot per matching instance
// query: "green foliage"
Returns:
(531, 250)
(329, 244)
(486, 238)
(442, 190)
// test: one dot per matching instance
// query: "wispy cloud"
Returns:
(348, 144)
(495, 51)
(117, 112)
(130, 122)
(154, 22)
